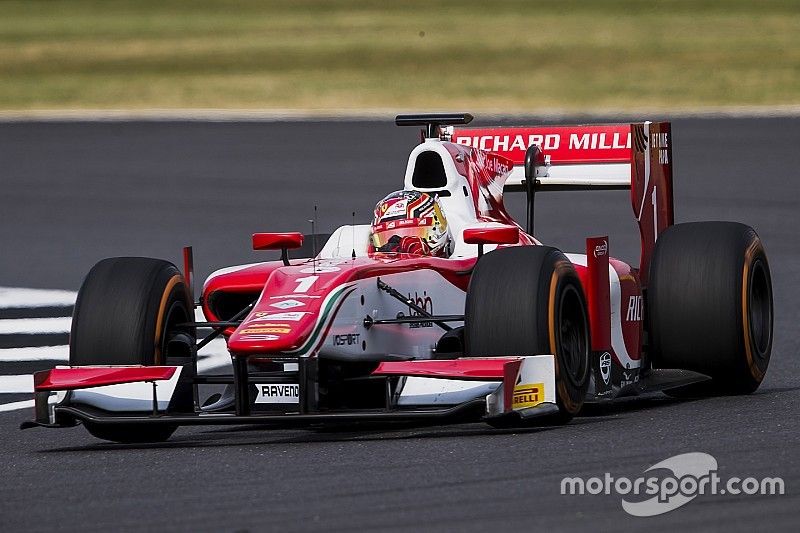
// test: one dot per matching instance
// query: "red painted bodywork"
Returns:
(495, 235)
(85, 377)
(277, 241)
(467, 369)
(569, 145)
(651, 186)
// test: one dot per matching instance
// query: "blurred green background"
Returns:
(507, 56)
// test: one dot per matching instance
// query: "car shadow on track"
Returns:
(261, 435)
(630, 404)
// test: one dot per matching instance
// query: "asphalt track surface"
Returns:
(73, 193)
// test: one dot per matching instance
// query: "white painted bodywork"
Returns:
(135, 397)
(458, 208)
(583, 175)
(344, 240)
(427, 286)
(438, 391)
(534, 369)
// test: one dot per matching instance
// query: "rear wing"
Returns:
(634, 156)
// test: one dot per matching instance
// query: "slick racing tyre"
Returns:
(528, 300)
(128, 312)
(709, 306)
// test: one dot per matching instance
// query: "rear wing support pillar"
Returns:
(534, 157)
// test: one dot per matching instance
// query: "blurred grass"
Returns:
(477, 55)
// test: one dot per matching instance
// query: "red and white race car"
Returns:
(503, 329)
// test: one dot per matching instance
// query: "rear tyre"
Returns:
(528, 300)
(128, 312)
(710, 306)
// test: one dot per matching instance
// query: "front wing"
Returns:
(491, 388)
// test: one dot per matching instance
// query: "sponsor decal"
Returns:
(278, 393)
(291, 316)
(397, 209)
(527, 395)
(505, 143)
(634, 309)
(605, 367)
(404, 223)
(293, 296)
(426, 303)
(260, 337)
(588, 139)
(266, 330)
(673, 483)
(660, 141)
(599, 141)
(304, 284)
(348, 339)
(287, 304)
(601, 249)
(629, 377)
(497, 165)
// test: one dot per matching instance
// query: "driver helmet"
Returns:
(410, 222)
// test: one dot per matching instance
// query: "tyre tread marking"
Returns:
(749, 254)
(173, 281)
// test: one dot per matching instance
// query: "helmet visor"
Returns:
(384, 234)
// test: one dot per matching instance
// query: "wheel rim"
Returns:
(176, 341)
(573, 335)
(760, 309)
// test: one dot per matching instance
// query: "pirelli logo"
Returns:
(527, 395)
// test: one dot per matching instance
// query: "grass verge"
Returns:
(501, 55)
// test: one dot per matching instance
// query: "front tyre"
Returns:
(528, 300)
(129, 311)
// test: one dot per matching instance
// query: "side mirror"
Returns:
(534, 157)
(278, 241)
(491, 235)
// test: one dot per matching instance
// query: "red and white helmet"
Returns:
(411, 222)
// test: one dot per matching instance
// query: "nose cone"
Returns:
(272, 331)
(294, 310)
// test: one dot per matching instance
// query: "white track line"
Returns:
(35, 353)
(213, 356)
(14, 406)
(22, 297)
(32, 326)
(16, 384)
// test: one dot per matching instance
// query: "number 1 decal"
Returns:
(303, 284)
